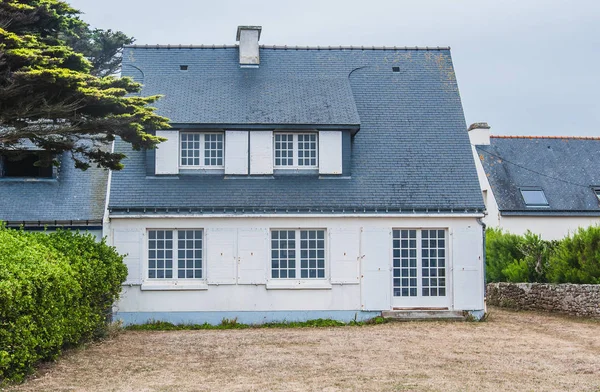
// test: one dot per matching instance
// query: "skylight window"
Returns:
(534, 197)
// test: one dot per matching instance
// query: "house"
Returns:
(547, 184)
(298, 183)
(46, 198)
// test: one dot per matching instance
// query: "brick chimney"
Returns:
(248, 37)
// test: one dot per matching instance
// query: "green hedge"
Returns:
(56, 290)
(528, 258)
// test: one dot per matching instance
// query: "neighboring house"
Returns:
(547, 184)
(46, 198)
(298, 183)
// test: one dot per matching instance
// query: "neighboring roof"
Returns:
(566, 168)
(74, 198)
(412, 150)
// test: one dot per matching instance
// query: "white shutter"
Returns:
(375, 248)
(236, 152)
(344, 255)
(467, 276)
(130, 242)
(221, 256)
(167, 153)
(261, 152)
(253, 255)
(330, 152)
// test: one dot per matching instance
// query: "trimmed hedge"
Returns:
(530, 259)
(56, 290)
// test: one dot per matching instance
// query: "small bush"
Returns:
(502, 250)
(577, 258)
(55, 290)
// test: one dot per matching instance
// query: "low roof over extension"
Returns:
(543, 175)
(409, 148)
(68, 197)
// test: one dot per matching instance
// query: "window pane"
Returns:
(160, 254)
(190, 254)
(312, 258)
(213, 149)
(284, 149)
(534, 197)
(307, 149)
(433, 263)
(190, 148)
(405, 263)
(283, 258)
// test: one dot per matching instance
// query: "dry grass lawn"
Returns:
(522, 351)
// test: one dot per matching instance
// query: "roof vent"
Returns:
(248, 37)
(479, 134)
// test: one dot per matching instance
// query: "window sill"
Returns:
(298, 284)
(173, 285)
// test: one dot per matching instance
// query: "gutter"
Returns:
(295, 215)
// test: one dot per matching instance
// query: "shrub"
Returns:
(502, 250)
(577, 258)
(55, 291)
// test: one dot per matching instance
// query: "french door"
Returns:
(420, 268)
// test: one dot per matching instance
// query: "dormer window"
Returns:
(24, 165)
(296, 150)
(201, 150)
(534, 198)
(597, 193)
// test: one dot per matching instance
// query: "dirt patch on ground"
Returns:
(512, 351)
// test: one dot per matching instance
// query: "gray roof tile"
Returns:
(566, 169)
(412, 150)
(74, 195)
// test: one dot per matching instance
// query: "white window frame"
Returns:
(298, 282)
(295, 165)
(419, 265)
(202, 154)
(174, 283)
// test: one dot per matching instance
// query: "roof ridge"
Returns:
(286, 47)
(545, 137)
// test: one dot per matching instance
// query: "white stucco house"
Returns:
(547, 184)
(298, 183)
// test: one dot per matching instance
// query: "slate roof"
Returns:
(565, 168)
(412, 151)
(73, 196)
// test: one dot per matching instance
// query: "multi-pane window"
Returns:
(296, 150)
(284, 149)
(405, 263)
(419, 263)
(433, 259)
(298, 254)
(175, 259)
(201, 149)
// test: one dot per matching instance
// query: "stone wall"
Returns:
(573, 299)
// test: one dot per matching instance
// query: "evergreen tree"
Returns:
(54, 97)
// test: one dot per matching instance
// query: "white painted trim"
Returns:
(173, 285)
(318, 216)
(295, 284)
(106, 214)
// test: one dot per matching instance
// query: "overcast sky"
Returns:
(527, 67)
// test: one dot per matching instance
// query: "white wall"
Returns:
(346, 250)
(549, 227)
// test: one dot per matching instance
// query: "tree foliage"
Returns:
(529, 258)
(54, 97)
